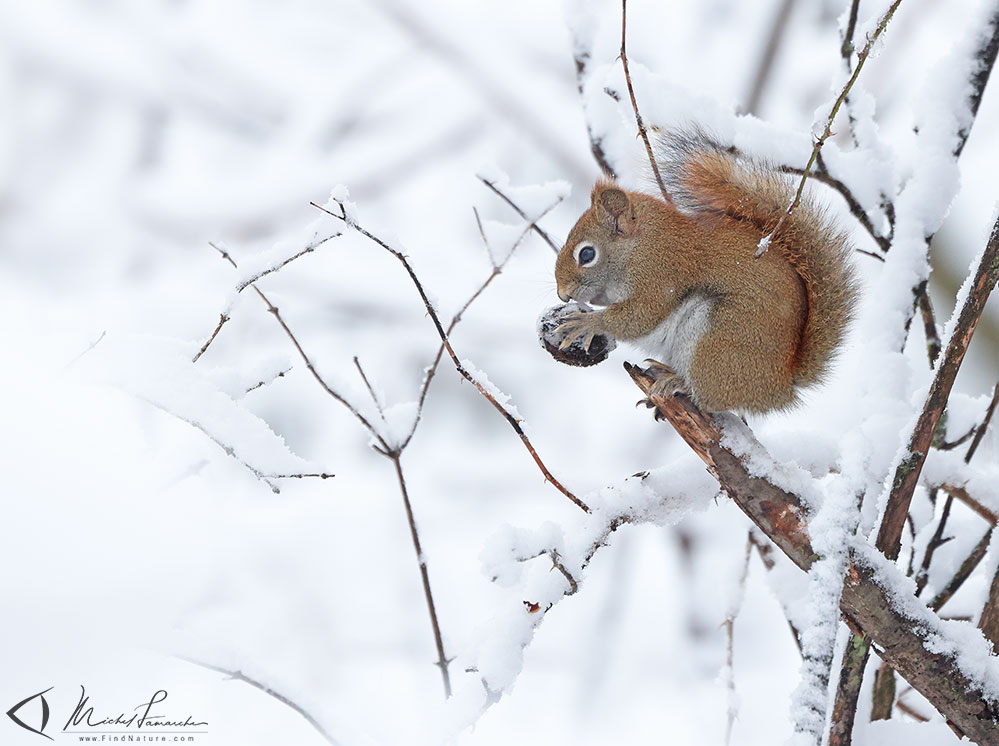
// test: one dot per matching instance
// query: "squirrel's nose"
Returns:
(564, 297)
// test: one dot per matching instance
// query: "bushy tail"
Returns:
(705, 179)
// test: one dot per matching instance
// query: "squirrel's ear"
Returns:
(613, 208)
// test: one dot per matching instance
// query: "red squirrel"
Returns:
(679, 279)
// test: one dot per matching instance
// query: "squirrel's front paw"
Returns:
(668, 382)
(580, 326)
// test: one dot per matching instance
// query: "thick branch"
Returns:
(901, 639)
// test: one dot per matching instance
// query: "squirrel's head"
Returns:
(592, 266)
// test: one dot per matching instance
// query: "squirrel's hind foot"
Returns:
(668, 382)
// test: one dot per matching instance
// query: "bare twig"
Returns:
(384, 448)
(911, 712)
(264, 382)
(986, 59)
(980, 430)
(936, 541)
(960, 493)
(933, 345)
(269, 691)
(516, 208)
(91, 346)
(634, 103)
(581, 56)
(371, 391)
(883, 693)
(732, 705)
(820, 141)
(496, 270)
(908, 470)
(228, 449)
(851, 676)
(988, 623)
(264, 272)
(459, 366)
(964, 571)
(847, 48)
(442, 660)
(766, 66)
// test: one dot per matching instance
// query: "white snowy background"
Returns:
(133, 134)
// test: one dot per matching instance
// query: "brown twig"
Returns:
(581, 57)
(851, 676)
(960, 493)
(384, 448)
(847, 48)
(907, 473)
(523, 215)
(442, 660)
(459, 366)
(861, 59)
(263, 273)
(980, 430)
(264, 382)
(986, 58)
(964, 571)
(777, 31)
(634, 103)
(223, 318)
(497, 269)
(371, 390)
(269, 691)
(936, 541)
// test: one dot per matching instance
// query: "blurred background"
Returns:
(133, 134)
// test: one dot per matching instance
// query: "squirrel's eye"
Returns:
(586, 254)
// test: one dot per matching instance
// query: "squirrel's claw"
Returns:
(667, 381)
(578, 326)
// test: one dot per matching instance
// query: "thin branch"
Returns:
(305, 358)
(847, 49)
(223, 318)
(933, 344)
(581, 57)
(960, 493)
(442, 660)
(516, 208)
(228, 449)
(986, 59)
(264, 382)
(432, 312)
(964, 571)
(823, 176)
(911, 712)
(91, 346)
(264, 272)
(634, 103)
(851, 676)
(908, 471)
(980, 430)
(861, 59)
(936, 541)
(732, 704)
(240, 676)
(371, 391)
(763, 72)
(496, 270)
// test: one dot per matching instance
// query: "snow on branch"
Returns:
(949, 665)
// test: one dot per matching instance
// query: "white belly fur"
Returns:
(674, 341)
